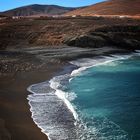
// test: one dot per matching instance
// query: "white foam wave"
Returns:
(54, 84)
(51, 110)
(138, 51)
(30, 99)
(50, 113)
(86, 63)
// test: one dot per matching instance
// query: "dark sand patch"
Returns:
(15, 118)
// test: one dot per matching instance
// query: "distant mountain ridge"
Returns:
(110, 7)
(37, 9)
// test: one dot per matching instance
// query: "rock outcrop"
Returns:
(120, 36)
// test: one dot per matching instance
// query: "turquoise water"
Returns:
(108, 99)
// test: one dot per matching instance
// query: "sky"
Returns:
(10, 4)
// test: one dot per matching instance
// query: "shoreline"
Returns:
(14, 108)
(72, 73)
(65, 69)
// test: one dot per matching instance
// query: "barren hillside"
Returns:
(80, 31)
(37, 9)
(110, 7)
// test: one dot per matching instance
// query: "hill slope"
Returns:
(81, 32)
(38, 10)
(111, 7)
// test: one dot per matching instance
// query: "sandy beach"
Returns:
(15, 117)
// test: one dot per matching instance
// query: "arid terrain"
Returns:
(37, 10)
(110, 7)
(79, 31)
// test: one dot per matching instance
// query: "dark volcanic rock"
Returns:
(120, 36)
(86, 41)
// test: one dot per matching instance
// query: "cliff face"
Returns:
(111, 7)
(82, 32)
(127, 37)
(38, 10)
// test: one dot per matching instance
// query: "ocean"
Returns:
(100, 100)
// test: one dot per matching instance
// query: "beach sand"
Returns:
(15, 117)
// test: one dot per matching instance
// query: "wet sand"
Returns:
(15, 118)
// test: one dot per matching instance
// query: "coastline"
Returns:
(42, 56)
(14, 108)
(43, 93)
(57, 86)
